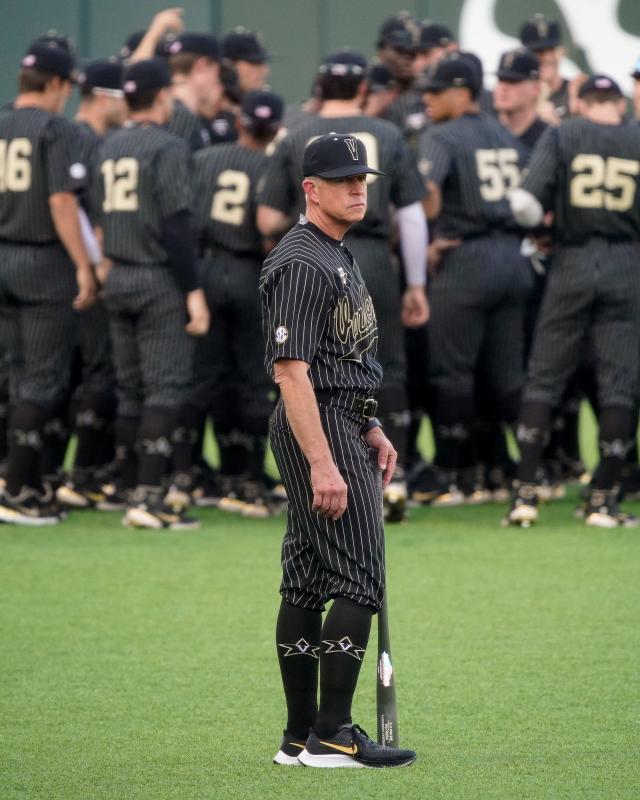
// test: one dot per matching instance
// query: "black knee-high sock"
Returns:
(614, 439)
(345, 635)
(393, 411)
(532, 434)
(55, 440)
(25, 447)
(298, 644)
(186, 436)
(4, 425)
(126, 430)
(154, 444)
(452, 422)
(93, 420)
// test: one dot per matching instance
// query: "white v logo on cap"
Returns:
(352, 144)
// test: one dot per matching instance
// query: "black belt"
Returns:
(365, 407)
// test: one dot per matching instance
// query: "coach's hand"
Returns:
(329, 490)
(387, 455)
(415, 307)
(199, 317)
(87, 288)
(437, 249)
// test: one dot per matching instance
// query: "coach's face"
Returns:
(342, 199)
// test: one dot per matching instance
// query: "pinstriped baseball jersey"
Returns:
(142, 178)
(38, 157)
(386, 151)
(88, 147)
(316, 308)
(188, 127)
(476, 162)
(225, 182)
(588, 174)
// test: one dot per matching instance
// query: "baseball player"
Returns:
(102, 108)
(143, 193)
(226, 179)
(43, 265)
(343, 88)
(197, 90)
(544, 37)
(320, 331)
(245, 51)
(586, 172)
(480, 282)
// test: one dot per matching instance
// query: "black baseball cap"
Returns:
(199, 44)
(401, 32)
(599, 83)
(434, 35)
(380, 77)
(540, 33)
(244, 45)
(49, 56)
(131, 44)
(636, 70)
(518, 65)
(103, 75)
(263, 108)
(336, 155)
(344, 62)
(453, 72)
(146, 76)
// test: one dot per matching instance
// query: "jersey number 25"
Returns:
(603, 182)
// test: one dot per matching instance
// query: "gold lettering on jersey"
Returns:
(356, 328)
(352, 144)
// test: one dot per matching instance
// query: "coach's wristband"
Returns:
(369, 425)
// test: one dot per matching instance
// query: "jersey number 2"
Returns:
(603, 182)
(230, 198)
(15, 167)
(120, 184)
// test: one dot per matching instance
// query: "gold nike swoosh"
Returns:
(295, 744)
(350, 751)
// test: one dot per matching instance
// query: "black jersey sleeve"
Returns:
(63, 169)
(275, 187)
(299, 301)
(172, 179)
(542, 173)
(435, 156)
(407, 186)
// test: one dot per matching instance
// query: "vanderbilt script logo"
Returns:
(356, 329)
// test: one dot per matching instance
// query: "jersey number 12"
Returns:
(120, 184)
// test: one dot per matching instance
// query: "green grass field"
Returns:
(142, 664)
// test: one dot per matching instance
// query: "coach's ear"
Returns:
(310, 188)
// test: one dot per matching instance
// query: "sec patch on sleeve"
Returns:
(282, 334)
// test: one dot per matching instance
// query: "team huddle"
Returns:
(133, 238)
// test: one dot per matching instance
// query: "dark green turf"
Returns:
(142, 665)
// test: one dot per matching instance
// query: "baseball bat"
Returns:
(386, 707)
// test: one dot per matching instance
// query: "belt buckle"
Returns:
(369, 408)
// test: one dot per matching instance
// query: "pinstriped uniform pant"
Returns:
(37, 287)
(322, 558)
(152, 351)
(592, 298)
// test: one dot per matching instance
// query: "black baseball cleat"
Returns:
(30, 507)
(602, 511)
(351, 747)
(148, 510)
(524, 509)
(80, 490)
(289, 751)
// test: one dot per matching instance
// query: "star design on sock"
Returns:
(344, 645)
(300, 648)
